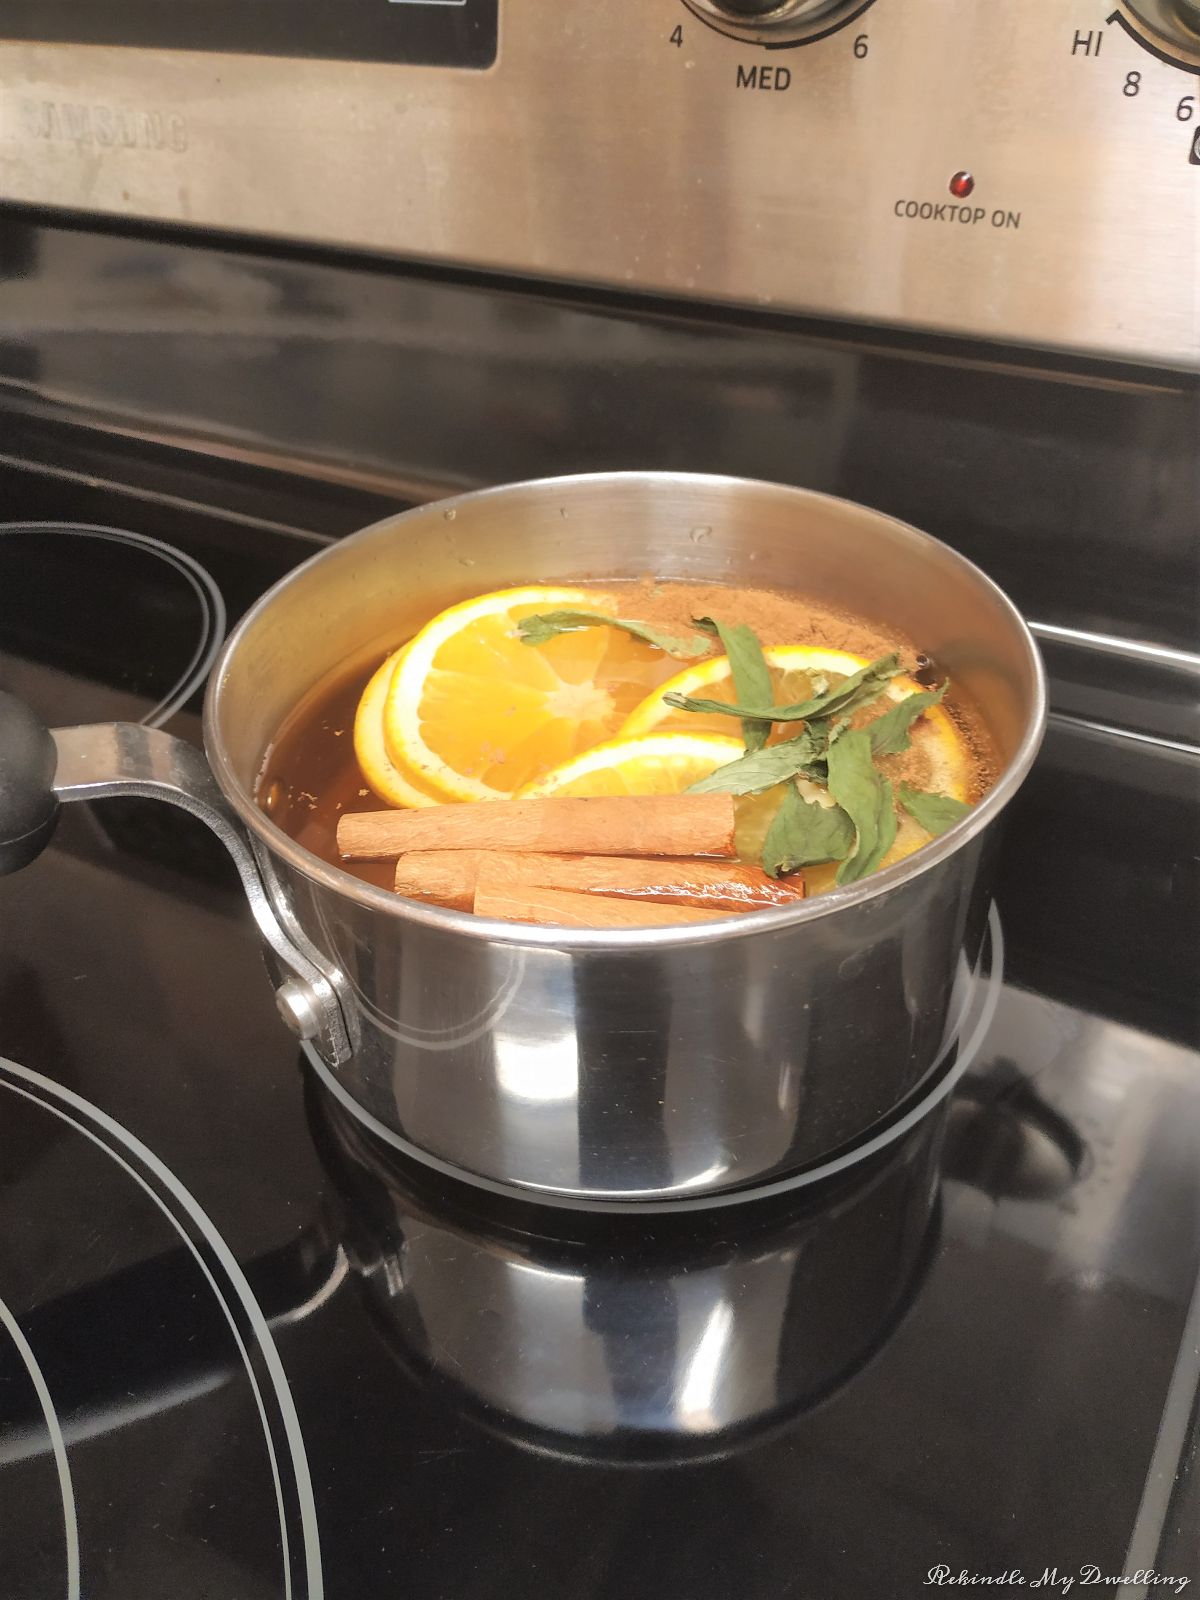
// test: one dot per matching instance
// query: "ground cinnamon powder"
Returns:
(776, 618)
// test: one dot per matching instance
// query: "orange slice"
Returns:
(793, 668)
(376, 766)
(474, 713)
(941, 761)
(657, 763)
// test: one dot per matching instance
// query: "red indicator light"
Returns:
(961, 185)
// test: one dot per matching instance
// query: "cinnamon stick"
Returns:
(615, 825)
(442, 877)
(523, 903)
(450, 878)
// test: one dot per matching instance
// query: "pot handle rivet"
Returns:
(299, 1008)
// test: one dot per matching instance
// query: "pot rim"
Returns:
(737, 926)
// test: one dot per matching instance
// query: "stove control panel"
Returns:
(1026, 172)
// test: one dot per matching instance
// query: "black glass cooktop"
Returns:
(245, 1352)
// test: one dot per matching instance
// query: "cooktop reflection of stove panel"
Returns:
(245, 1351)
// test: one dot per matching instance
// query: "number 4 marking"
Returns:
(677, 36)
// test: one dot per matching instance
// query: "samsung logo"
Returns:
(110, 127)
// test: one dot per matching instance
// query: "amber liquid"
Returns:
(310, 776)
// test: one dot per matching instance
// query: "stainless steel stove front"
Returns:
(1025, 172)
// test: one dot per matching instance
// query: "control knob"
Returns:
(1171, 26)
(774, 21)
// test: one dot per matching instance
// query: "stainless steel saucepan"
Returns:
(628, 1065)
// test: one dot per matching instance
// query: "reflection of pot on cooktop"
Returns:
(632, 1338)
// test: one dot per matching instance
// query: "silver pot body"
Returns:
(633, 1065)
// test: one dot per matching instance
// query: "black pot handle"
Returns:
(41, 768)
(28, 804)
